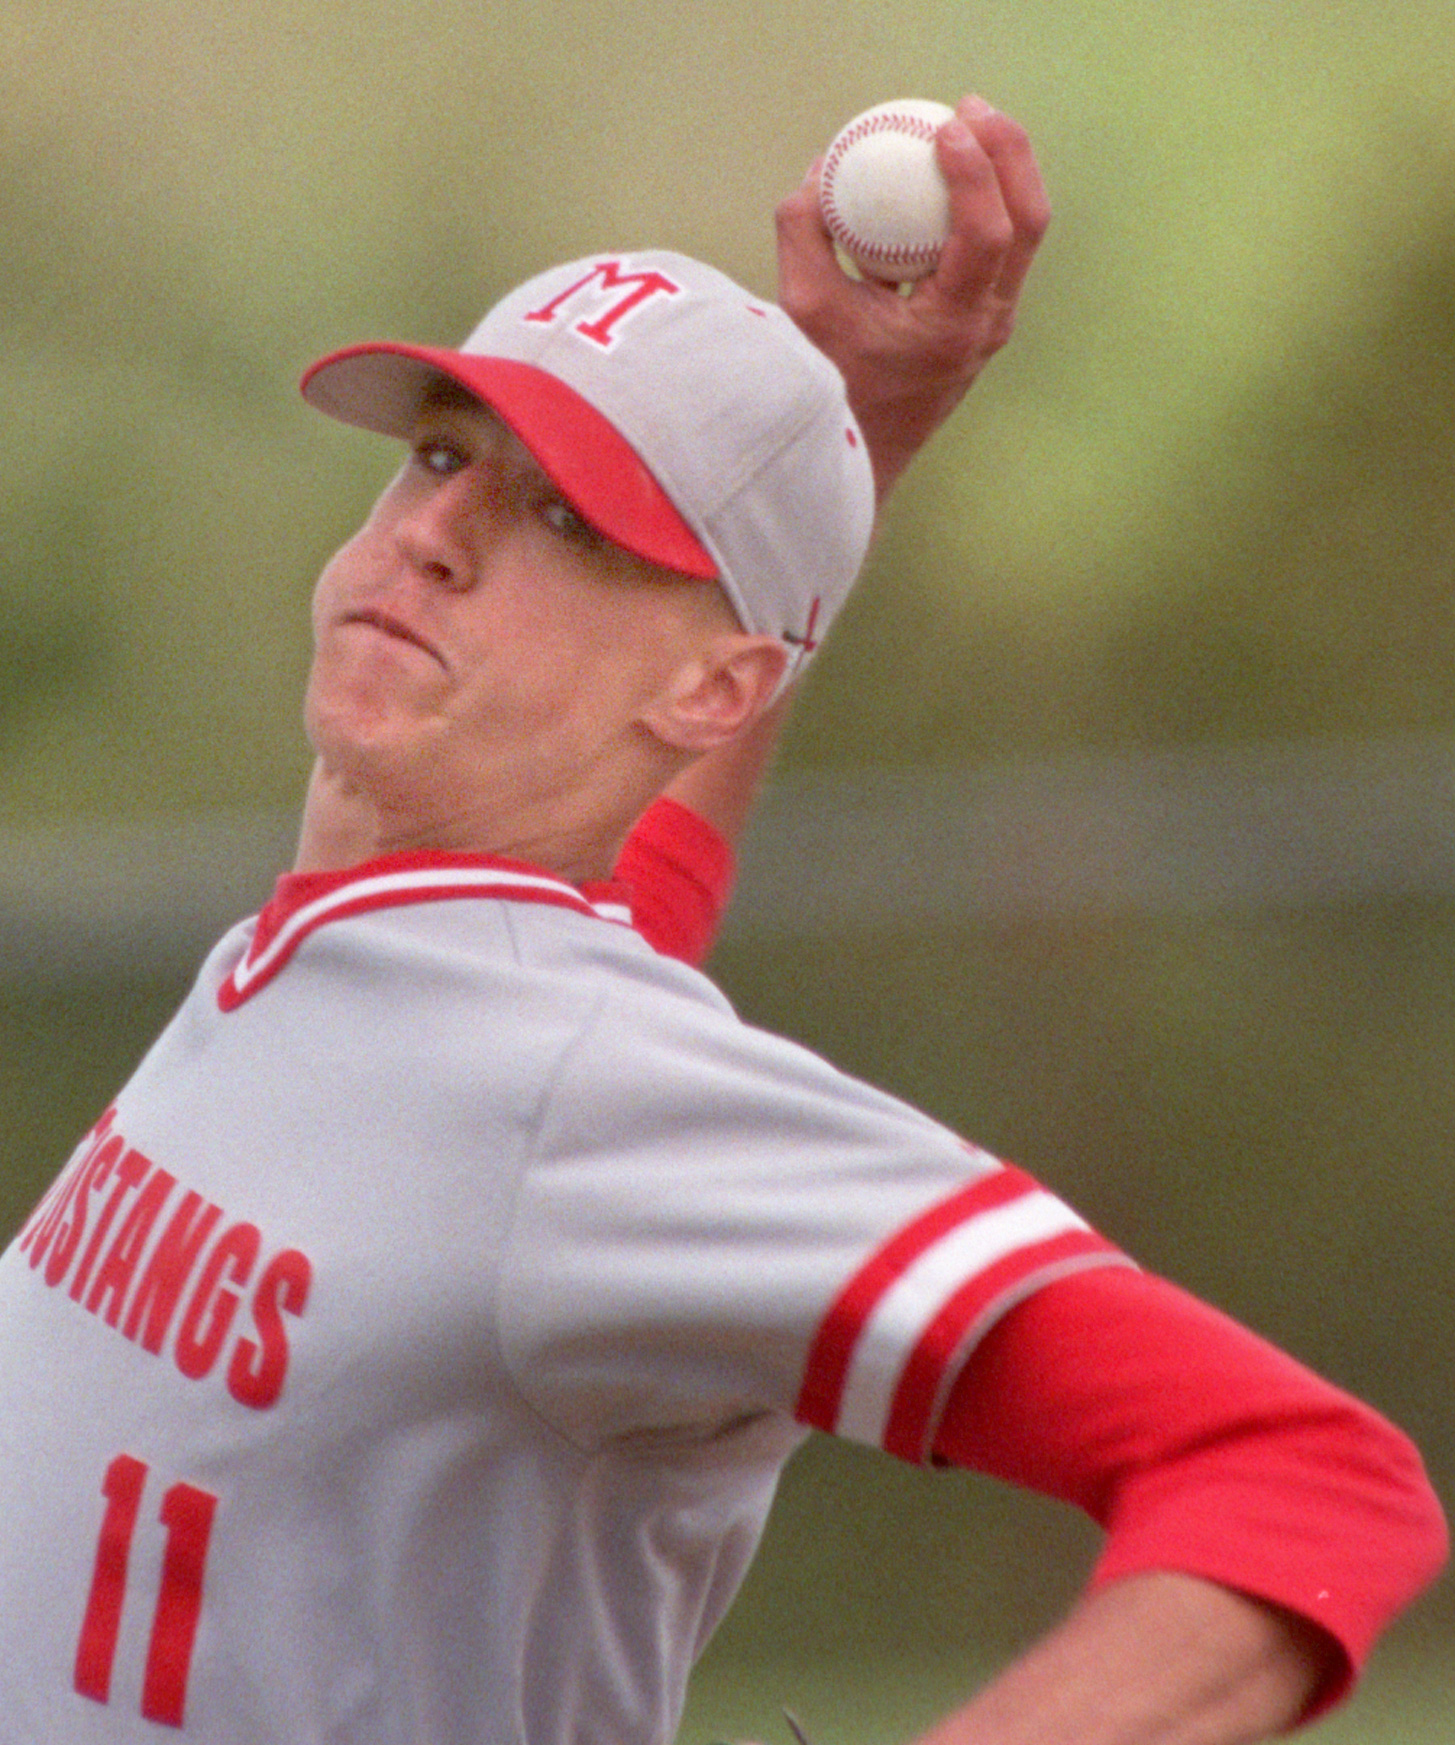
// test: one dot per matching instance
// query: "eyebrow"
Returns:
(444, 394)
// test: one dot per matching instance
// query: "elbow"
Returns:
(1387, 1541)
(1395, 1515)
(1330, 1516)
(1396, 1542)
(1385, 1531)
(1423, 1528)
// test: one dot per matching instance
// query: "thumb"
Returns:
(808, 268)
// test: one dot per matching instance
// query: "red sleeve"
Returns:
(1201, 1448)
(680, 874)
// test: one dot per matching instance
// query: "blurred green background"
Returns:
(1205, 501)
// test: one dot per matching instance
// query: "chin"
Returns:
(357, 746)
(340, 710)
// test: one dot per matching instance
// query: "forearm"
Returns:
(908, 360)
(1156, 1659)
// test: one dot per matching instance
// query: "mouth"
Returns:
(395, 629)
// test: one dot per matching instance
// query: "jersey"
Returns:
(412, 1349)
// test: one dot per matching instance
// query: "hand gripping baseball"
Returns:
(908, 358)
(883, 193)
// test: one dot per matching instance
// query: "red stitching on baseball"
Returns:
(894, 121)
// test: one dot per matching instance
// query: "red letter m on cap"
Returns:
(618, 294)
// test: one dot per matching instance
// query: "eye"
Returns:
(438, 455)
(562, 519)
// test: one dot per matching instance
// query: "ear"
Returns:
(713, 696)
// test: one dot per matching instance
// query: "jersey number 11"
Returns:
(186, 1514)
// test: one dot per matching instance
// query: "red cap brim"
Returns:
(379, 387)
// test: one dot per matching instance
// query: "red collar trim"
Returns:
(304, 902)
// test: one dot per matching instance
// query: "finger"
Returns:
(806, 257)
(1023, 190)
(812, 284)
(982, 231)
(999, 214)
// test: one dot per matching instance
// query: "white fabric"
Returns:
(470, 1264)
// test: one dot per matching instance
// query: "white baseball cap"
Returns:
(685, 419)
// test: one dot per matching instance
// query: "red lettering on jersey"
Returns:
(130, 1171)
(46, 1211)
(73, 1228)
(209, 1314)
(143, 1267)
(639, 289)
(101, 1156)
(160, 1287)
(255, 1375)
(186, 1514)
(124, 1256)
(49, 1204)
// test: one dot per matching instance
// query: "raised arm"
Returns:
(907, 359)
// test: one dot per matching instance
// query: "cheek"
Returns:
(528, 639)
(334, 577)
(549, 680)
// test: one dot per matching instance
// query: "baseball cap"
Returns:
(684, 418)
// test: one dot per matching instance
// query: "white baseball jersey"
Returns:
(410, 1352)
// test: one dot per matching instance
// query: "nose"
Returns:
(443, 534)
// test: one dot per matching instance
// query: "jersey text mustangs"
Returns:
(203, 1292)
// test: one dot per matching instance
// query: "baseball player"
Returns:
(410, 1351)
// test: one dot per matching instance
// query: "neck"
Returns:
(340, 828)
(344, 825)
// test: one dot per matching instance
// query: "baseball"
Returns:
(883, 197)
